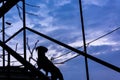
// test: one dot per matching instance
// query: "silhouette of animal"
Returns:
(44, 63)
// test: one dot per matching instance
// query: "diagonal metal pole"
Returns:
(84, 39)
(111, 66)
(14, 35)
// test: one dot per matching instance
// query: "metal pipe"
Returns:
(24, 29)
(13, 35)
(84, 39)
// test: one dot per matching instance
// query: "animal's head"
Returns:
(41, 49)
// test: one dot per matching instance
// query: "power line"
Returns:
(66, 53)
(67, 59)
(104, 35)
(86, 44)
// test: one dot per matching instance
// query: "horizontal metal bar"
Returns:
(113, 67)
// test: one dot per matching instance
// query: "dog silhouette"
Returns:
(44, 63)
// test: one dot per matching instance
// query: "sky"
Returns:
(60, 19)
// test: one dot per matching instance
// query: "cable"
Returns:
(66, 53)
(103, 35)
(86, 44)
(67, 60)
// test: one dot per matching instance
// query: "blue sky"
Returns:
(60, 20)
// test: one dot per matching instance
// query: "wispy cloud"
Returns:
(61, 2)
(15, 27)
(96, 2)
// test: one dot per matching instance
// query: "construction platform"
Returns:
(16, 73)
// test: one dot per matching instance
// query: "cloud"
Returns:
(47, 21)
(99, 42)
(15, 27)
(96, 2)
(104, 41)
(60, 19)
(44, 21)
(61, 2)
(44, 10)
(76, 43)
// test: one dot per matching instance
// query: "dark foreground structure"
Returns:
(15, 73)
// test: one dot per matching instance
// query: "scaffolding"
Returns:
(28, 71)
(10, 72)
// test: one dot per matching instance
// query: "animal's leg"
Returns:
(46, 73)
(53, 77)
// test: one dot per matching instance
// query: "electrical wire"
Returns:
(103, 35)
(67, 60)
(66, 53)
(86, 44)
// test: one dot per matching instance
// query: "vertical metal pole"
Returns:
(3, 36)
(84, 39)
(24, 29)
